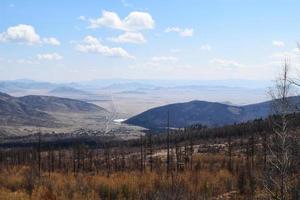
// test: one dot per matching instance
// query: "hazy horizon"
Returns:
(238, 83)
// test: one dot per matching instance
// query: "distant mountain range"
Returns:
(66, 91)
(201, 112)
(35, 110)
(23, 84)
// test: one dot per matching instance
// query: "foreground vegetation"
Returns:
(209, 179)
(187, 166)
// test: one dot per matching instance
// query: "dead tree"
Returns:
(252, 146)
(178, 153)
(123, 160)
(60, 159)
(251, 170)
(191, 150)
(107, 160)
(278, 173)
(150, 151)
(264, 149)
(91, 160)
(229, 151)
(49, 161)
(168, 144)
(39, 154)
(186, 156)
(74, 159)
(142, 154)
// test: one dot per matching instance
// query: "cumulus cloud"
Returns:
(129, 37)
(183, 32)
(23, 33)
(133, 22)
(226, 63)
(277, 43)
(49, 56)
(91, 44)
(205, 47)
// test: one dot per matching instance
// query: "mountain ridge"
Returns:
(202, 112)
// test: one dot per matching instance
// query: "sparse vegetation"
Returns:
(227, 166)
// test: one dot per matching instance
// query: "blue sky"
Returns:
(171, 39)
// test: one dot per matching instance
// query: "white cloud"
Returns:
(277, 43)
(164, 59)
(20, 33)
(91, 44)
(108, 19)
(23, 33)
(138, 21)
(205, 47)
(226, 63)
(52, 41)
(129, 37)
(133, 22)
(186, 32)
(49, 56)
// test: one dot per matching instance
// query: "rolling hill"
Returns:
(201, 112)
(13, 111)
(36, 110)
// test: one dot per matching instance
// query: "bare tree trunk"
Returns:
(142, 156)
(279, 158)
(49, 161)
(74, 160)
(107, 160)
(150, 152)
(265, 149)
(191, 151)
(168, 145)
(229, 153)
(39, 154)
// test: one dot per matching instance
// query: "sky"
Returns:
(67, 40)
